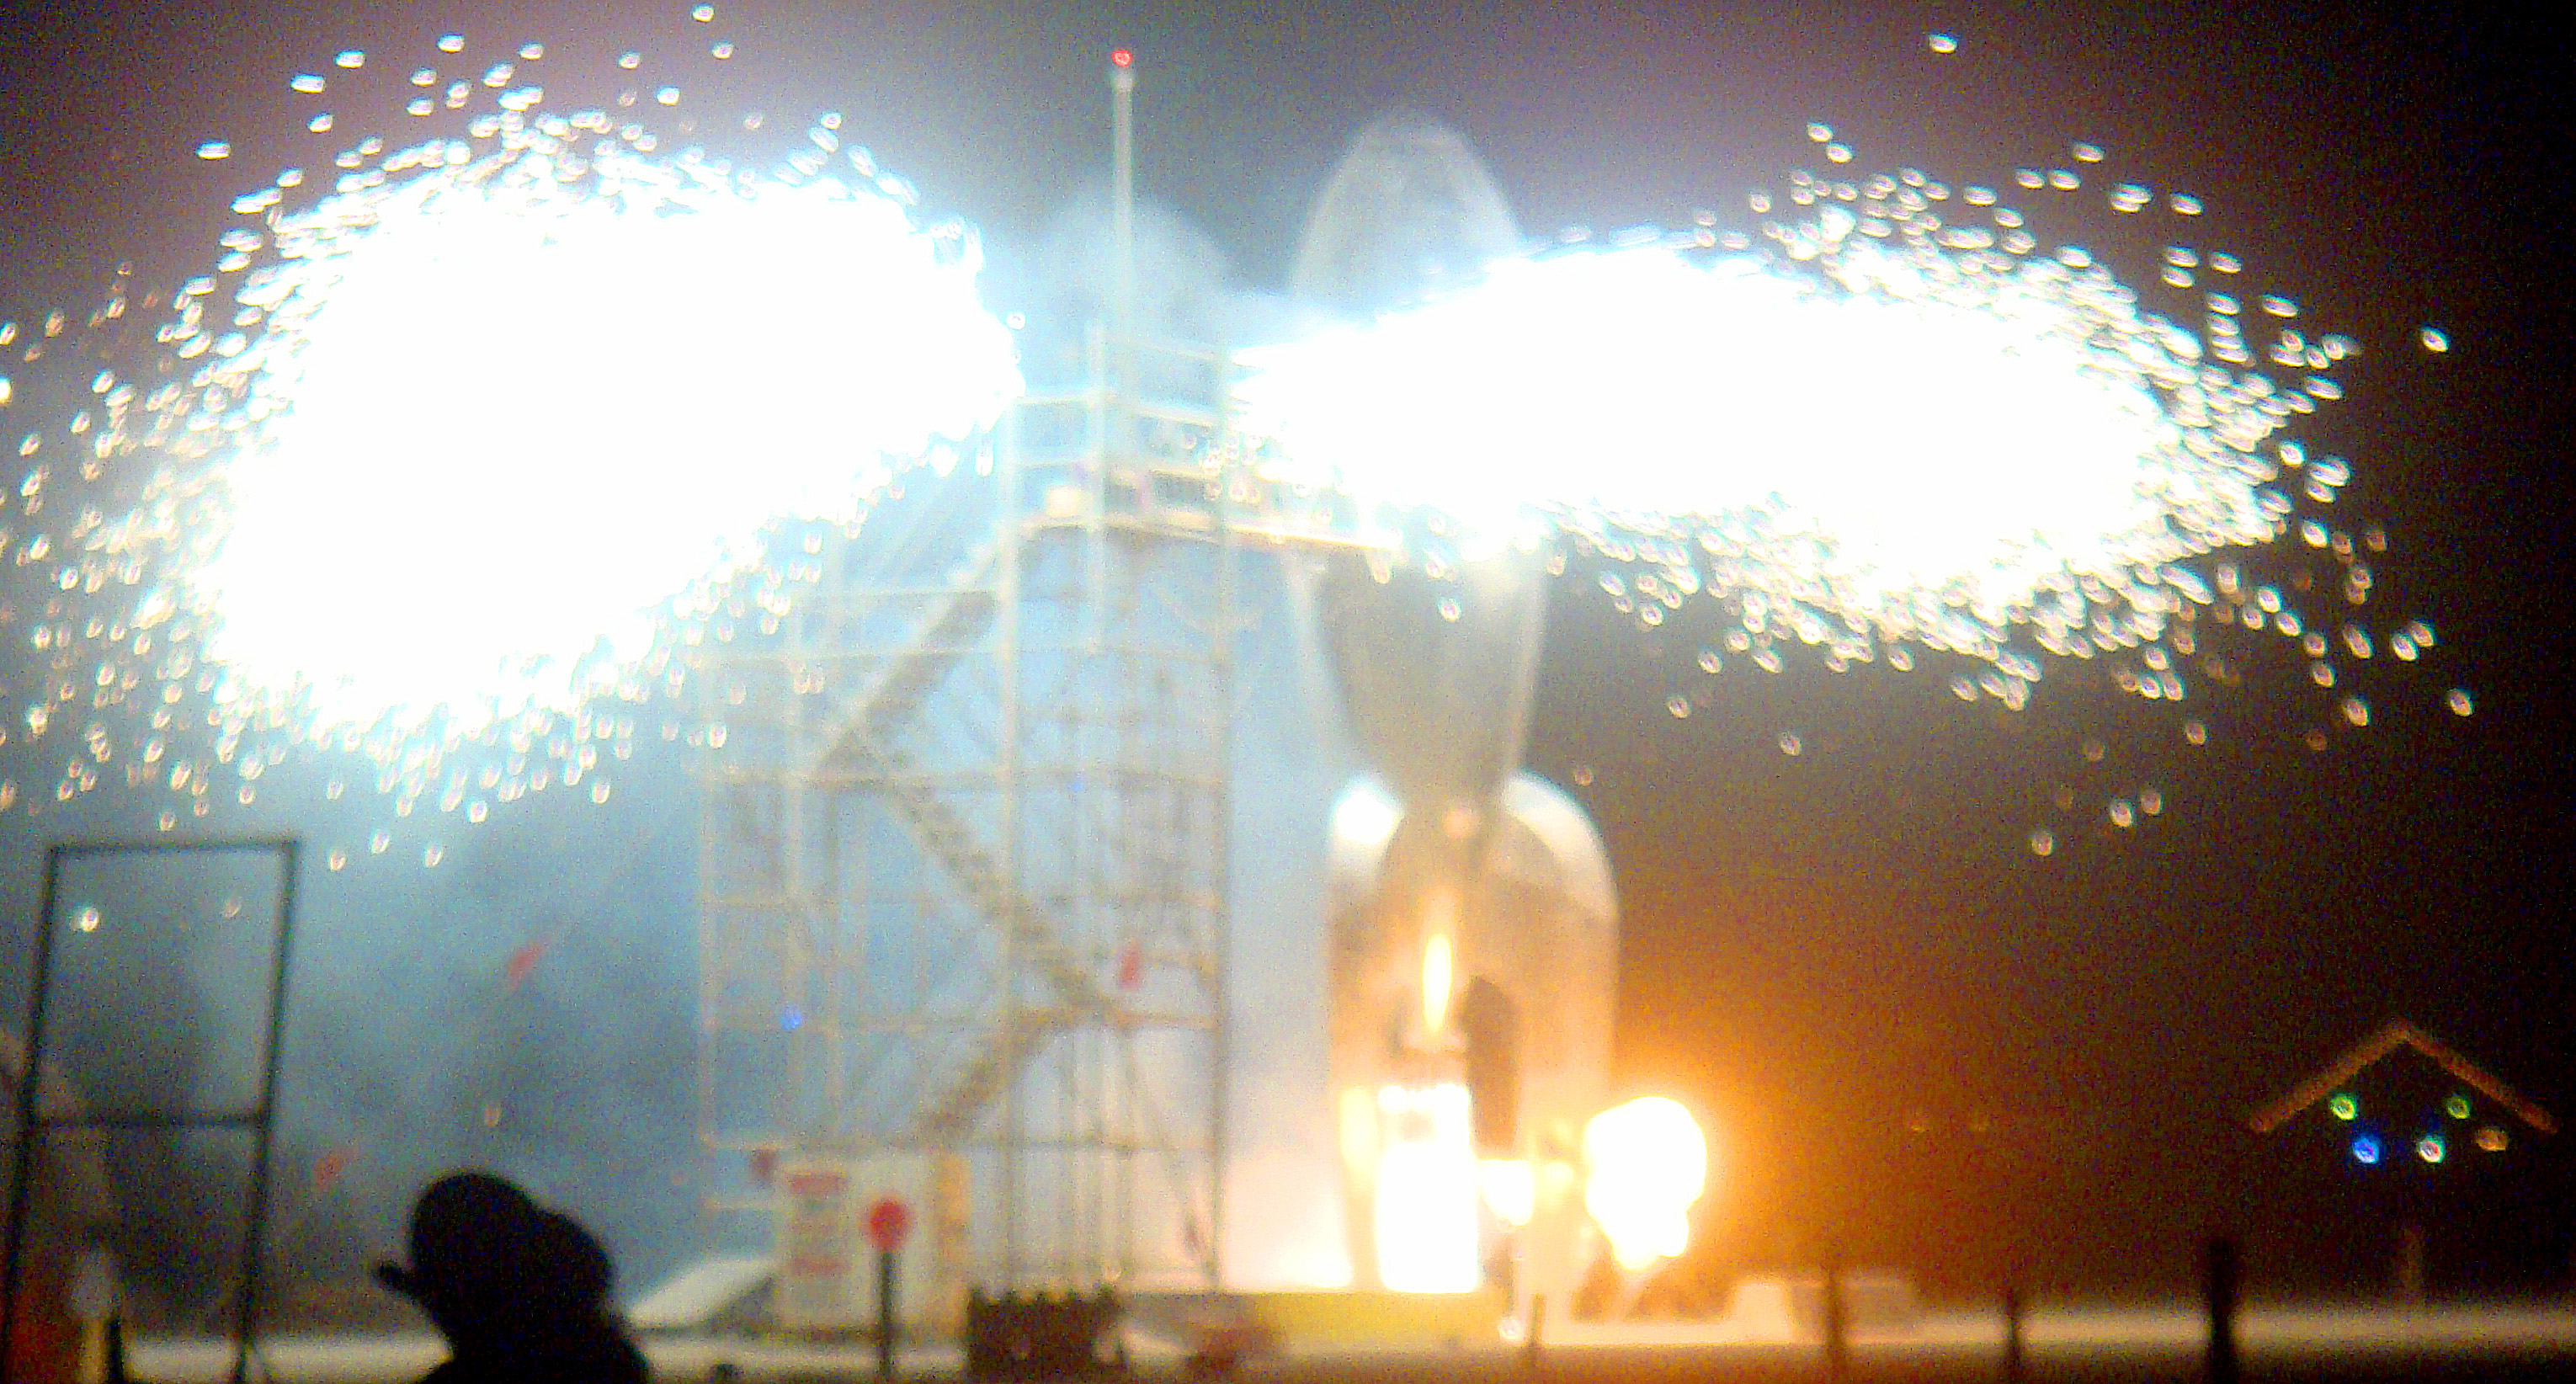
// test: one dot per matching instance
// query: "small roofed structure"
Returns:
(2432, 1172)
(2395, 1035)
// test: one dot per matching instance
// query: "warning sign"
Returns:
(817, 1275)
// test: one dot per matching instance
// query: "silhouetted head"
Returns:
(467, 1230)
(570, 1271)
(486, 1261)
(512, 1284)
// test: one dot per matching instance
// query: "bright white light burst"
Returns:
(1646, 1164)
(504, 401)
(1876, 428)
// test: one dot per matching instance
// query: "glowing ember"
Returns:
(1647, 1164)
(506, 399)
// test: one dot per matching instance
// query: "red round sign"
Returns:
(889, 1221)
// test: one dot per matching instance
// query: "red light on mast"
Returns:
(1120, 57)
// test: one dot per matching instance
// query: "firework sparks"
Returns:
(1876, 427)
(497, 402)
(439, 468)
(452, 457)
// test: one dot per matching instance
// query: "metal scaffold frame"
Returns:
(963, 842)
(965, 818)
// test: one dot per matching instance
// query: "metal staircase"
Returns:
(965, 823)
(989, 669)
(958, 620)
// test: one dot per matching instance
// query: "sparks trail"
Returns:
(1880, 425)
(581, 377)
(106, 684)
(443, 468)
(1892, 422)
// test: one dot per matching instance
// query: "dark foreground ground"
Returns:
(2321, 1346)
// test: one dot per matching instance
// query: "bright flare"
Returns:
(1880, 428)
(1427, 1187)
(1510, 1186)
(509, 400)
(1646, 1163)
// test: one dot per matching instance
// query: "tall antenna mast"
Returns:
(1122, 196)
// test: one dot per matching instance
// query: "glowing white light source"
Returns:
(1510, 1186)
(1880, 437)
(1646, 1163)
(1427, 1187)
(506, 407)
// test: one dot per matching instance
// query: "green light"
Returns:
(2343, 1105)
(2457, 1107)
(2430, 1148)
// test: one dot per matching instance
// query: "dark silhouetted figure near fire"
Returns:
(519, 1291)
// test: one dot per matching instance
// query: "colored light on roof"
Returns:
(2365, 1149)
(2457, 1107)
(2430, 1148)
(2492, 1139)
(2343, 1106)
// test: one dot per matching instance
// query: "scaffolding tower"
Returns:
(964, 821)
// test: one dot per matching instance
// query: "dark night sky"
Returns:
(1814, 945)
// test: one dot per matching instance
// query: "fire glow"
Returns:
(1646, 1164)
(1427, 1190)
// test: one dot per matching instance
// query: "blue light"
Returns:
(2365, 1149)
(791, 1018)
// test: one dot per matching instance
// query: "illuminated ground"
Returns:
(2512, 1343)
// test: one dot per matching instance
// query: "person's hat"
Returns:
(467, 1231)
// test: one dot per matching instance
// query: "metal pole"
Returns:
(885, 1314)
(1537, 1325)
(1837, 1323)
(28, 1091)
(1122, 315)
(2012, 1336)
(1010, 531)
(1122, 196)
(247, 1323)
(1221, 1057)
(2218, 1295)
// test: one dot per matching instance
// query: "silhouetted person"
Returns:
(520, 1292)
